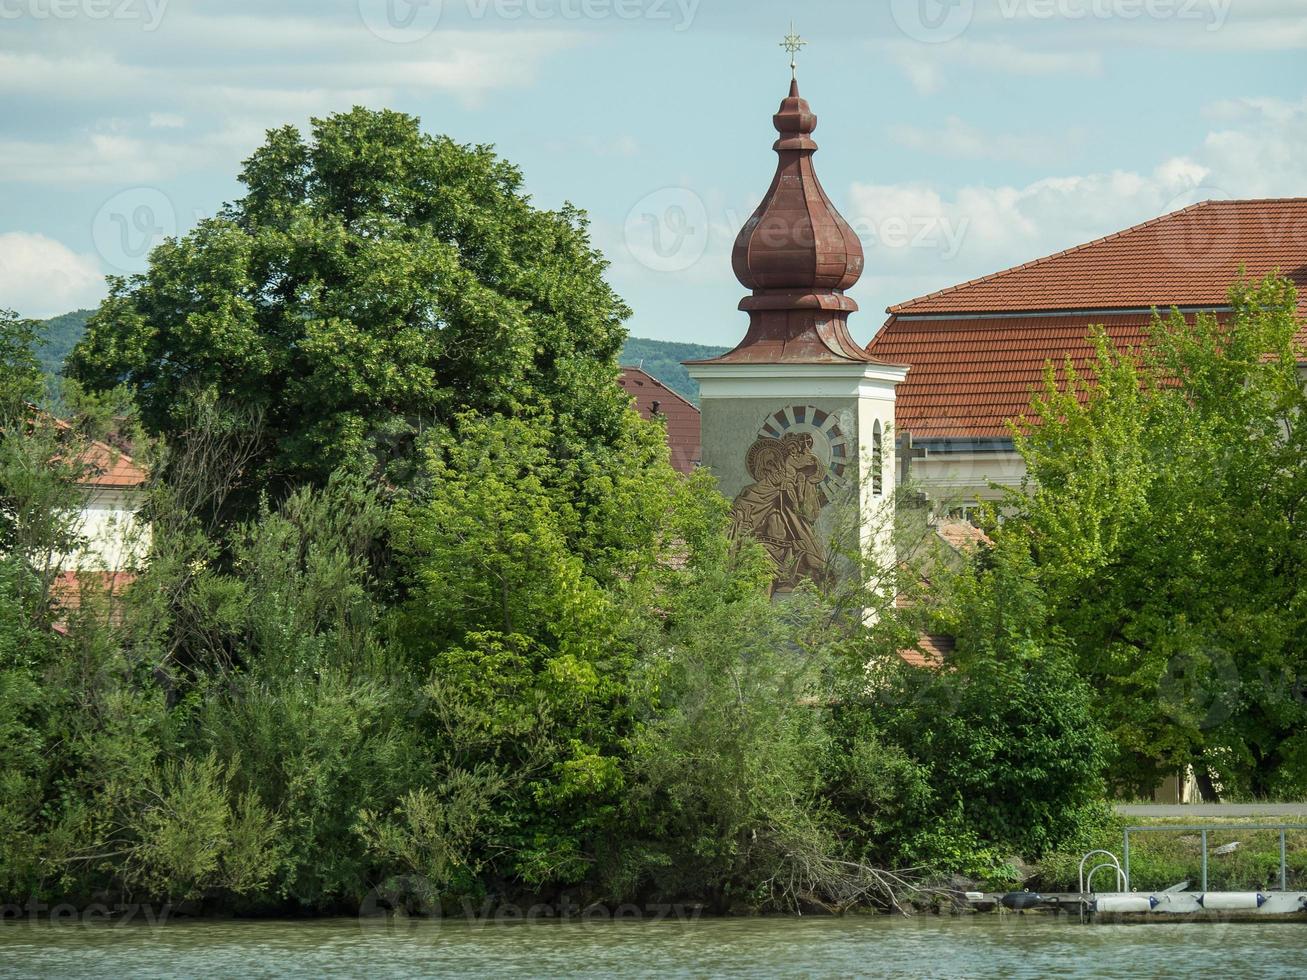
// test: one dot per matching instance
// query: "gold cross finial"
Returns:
(793, 43)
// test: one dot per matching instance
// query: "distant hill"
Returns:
(61, 333)
(662, 359)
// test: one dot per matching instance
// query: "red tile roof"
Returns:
(107, 466)
(970, 375)
(962, 536)
(931, 651)
(680, 414)
(70, 587)
(112, 468)
(1185, 258)
(977, 350)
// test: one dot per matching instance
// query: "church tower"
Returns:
(797, 418)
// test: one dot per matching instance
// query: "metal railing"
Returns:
(1204, 831)
(1122, 877)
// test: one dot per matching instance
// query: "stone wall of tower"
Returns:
(806, 455)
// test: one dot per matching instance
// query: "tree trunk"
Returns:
(1206, 788)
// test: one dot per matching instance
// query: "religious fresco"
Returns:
(797, 464)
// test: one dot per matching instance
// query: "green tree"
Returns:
(533, 580)
(21, 381)
(1164, 516)
(1005, 730)
(372, 281)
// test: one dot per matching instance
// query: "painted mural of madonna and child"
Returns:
(780, 508)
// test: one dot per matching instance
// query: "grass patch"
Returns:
(1159, 859)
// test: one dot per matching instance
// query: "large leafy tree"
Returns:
(373, 279)
(20, 371)
(1165, 517)
(536, 583)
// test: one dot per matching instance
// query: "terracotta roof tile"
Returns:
(978, 350)
(69, 587)
(108, 466)
(969, 375)
(681, 415)
(1185, 258)
(962, 536)
(931, 651)
(112, 468)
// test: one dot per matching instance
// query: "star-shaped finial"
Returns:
(793, 43)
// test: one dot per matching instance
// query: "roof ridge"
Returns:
(114, 454)
(1210, 202)
(662, 384)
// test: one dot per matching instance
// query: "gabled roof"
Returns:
(110, 467)
(977, 350)
(1185, 258)
(680, 414)
(106, 466)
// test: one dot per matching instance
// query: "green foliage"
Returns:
(372, 281)
(725, 800)
(195, 836)
(1007, 730)
(532, 579)
(530, 671)
(663, 359)
(426, 610)
(20, 372)
(61, 334)
(1161, 514)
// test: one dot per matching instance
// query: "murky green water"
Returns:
(978, 946)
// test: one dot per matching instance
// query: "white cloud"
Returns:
(1265, 25)
(196, 111)
(1069, 37)
(41, 277)
(975, 230)
(85, 74)
(959, 139)
(1261, 152)
(97, 158)
(928, 67)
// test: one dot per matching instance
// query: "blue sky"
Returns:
(959, 136)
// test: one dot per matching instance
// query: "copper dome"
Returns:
(796, 240)
(797, 255)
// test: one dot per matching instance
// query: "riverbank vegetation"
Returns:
(1239, 859)
(424, 611)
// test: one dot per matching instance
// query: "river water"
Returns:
(989, 946)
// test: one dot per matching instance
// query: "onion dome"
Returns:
(796, 239)
(798, 255)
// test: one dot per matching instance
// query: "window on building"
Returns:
(877, 460)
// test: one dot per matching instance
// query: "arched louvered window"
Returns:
(877, 461)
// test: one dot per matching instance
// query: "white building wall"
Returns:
(958, 480)
(114, 538)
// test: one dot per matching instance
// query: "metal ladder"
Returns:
(1122, 880)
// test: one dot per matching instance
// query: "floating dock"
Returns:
(1194, 906)
(1175, 903)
